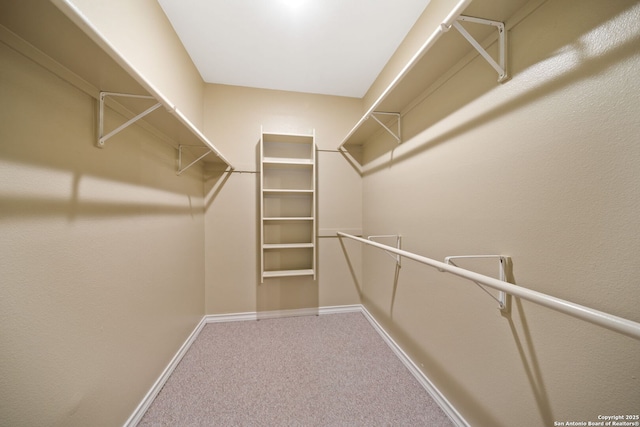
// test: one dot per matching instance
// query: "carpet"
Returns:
(328, 370)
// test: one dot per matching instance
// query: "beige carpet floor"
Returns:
(328, 370)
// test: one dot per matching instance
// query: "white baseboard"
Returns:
(139, 412)
(274, 314)
(439, 398)
(433, 391)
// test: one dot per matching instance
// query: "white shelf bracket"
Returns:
(182, 169)
(398, 134)
(501, 65)
(398, 237)
(504, 300)
(103, 95)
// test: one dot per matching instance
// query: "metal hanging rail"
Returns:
(606, 320)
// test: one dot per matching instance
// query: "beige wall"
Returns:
(545, 169)
(104, 273)
(101, 256)
(233, 118)
(141, 33)
(428, 22)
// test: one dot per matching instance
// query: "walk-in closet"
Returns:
(448, 239)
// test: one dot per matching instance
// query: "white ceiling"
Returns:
(334, 47)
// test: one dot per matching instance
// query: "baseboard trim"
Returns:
(139, 412)
(433, 391)
(424, 381)
(274, 314)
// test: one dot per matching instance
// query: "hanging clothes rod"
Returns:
(606, 320)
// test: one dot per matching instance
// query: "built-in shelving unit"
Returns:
(70, 47)
(466, 37)
(287, 205)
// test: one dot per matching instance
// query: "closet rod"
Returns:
(606, 320)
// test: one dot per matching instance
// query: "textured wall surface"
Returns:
(108, 259)
(101, 256)
(233, 117)
(545, 169)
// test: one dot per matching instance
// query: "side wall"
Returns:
(233, 117)
(427, 23)
(101, 260)
(545, 169)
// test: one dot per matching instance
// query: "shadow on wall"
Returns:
(352, 271)
(29, 207)
(439, 375)
(435, 371)
(53, 167)
(526, 350)
(585, 67)
(214, 180)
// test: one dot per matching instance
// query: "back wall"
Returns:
(233, 120)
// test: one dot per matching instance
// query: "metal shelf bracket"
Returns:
(103, 95)
(398, 134)
(398, 237)
(501, 65)
(504, 300)
(182, 169)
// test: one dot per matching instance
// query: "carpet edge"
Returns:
(417, 373)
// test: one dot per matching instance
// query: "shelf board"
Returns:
(288, 273)
(288, 218)
(426, 70)
(287, 245)
(288, 137)
(287, 161)
(76, 53)
(286, 190)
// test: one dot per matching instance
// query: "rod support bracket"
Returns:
(397, 135)
(501, 64)
(102, 138)
(503, 299)
(398, 238)
(181, 169)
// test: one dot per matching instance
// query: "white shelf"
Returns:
(287, 245)
(289, 273)
(288, 218)
(286, 191)
(78, 54)
(283, 161)
(443, 50)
